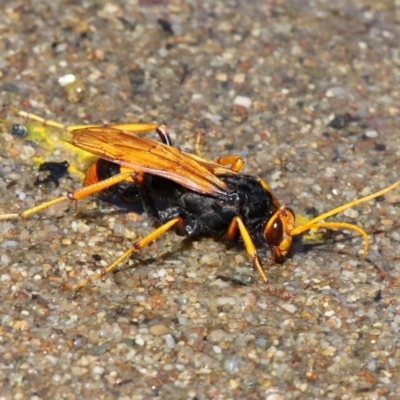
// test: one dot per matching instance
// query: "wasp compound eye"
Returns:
(277, 233)
(274, 233)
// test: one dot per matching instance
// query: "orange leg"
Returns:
(237, 223)
(72, 196)
(199, 138)
(136, 247)
(236, 163)
(133, 128)
(142, 128)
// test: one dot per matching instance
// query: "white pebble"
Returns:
(66, 79)
(290, 308)
(371, 134)
(9, 243)
(53, 360)
(139, 341)
(97, 370)
(161, 273)
(5, 260)
(336, 92)
(217, 350)
(225, 300)
(169, 340)
(196, 96)
(21, 195)
(243, 101)
(232, 364)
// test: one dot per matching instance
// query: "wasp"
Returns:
(185, 192)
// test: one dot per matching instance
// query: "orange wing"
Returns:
(150, 156)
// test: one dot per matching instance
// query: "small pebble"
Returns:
(233, 384)
(78, 371)
(66, 79)
(20, 195)
(329, 351)
(22, 325)
(97, 370)
(337, 92)
(139, 341)
(169, 341)
(371, 134)
(158, 330)
(243, 101)
(217, 349)
(217, 335)
(161, 273)
(351, 213)
(222, 77)
(260, 341)
(290, 308)
(5, 259)
(9, 243)
(232, 364)
(239, 78)
(226, 300)
(276, 396)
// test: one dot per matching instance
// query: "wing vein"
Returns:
(149, 156)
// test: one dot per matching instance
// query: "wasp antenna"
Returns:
(33, 117)
(315, 222)
(343, 225)
(311, 224)
(57, 125)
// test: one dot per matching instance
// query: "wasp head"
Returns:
(277, 232)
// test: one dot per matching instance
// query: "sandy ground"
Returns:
(262, 80)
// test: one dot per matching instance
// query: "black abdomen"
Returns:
(202, 214)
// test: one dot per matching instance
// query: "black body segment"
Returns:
(202, 215)
(209, 216)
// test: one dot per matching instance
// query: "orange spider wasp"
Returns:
(200, 197)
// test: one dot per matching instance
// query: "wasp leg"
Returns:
(147, 202)
(164, 135)
(133, 128)
(197, 145)
(142, 128)
(236, 163)
(34, 117)
(136, 247)
(72, 196)
(237, 223)
(268, 189)
(49, 122)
